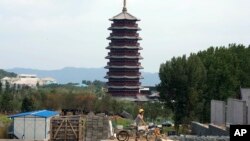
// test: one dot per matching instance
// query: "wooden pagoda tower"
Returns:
(124, 67)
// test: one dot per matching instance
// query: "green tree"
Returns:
(1, 87)
(173, 87)
(155, 110)
(7, 102)
(6, 74)
(188, 85)
(7, 87)
(196, 74)
(27, 104)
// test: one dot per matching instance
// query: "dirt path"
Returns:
(132, 139)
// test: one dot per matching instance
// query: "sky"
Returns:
(53, 34)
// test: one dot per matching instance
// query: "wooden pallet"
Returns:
(67, 128)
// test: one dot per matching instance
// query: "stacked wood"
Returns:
(67, 128)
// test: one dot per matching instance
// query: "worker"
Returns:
(139, 121)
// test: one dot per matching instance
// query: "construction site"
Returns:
(66, 126)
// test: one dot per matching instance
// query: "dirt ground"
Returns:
(139, 140)
(142, 139)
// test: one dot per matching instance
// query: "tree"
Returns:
(7, 87)
(196, 74)
(1, 85)
(27, 104)
(7, 102)
(173, 87)
(154, 110)
(188, 85)
(6, 74)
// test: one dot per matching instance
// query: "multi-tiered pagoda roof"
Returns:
(123, 67)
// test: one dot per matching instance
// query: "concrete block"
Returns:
(218, 112)
(248, 111)
(217, 130)
(236, 111)
(199, 129)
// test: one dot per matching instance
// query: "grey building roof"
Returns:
(154, 95)
(142, 98)
(138, 98)
(123, 98)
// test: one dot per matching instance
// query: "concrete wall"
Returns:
(248, 111)
(218, 112)
(208, 130)
(236, 111)
(245, 93)
(199, 129)
(199, 138)
(217, 131)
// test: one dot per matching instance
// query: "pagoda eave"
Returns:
(125, 57)
(124, 37)
(128, 67)
(125, 27)
(132, 77)
(124, 87)
(112, 19)
(122, 47)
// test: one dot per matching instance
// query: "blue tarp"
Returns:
(40, 113)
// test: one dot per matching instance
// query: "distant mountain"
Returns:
(76, 75)
(5, 73)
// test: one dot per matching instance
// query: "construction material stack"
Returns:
(67, 128)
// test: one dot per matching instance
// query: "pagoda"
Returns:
(124, 67)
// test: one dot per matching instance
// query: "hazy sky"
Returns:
(52, 34)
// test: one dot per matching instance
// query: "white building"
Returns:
(33, 125)
(29, 80)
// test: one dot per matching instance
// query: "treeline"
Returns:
(90, 98)
(188, 84)
(54, 97)
(5, 73)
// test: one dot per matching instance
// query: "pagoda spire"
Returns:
(124, 6)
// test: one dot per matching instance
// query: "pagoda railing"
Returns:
(124, 24)
(122, 51)
(124, 64)
(122, 74)
(125, 34)
(124, 54)
(124, 44)
(124, 84)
